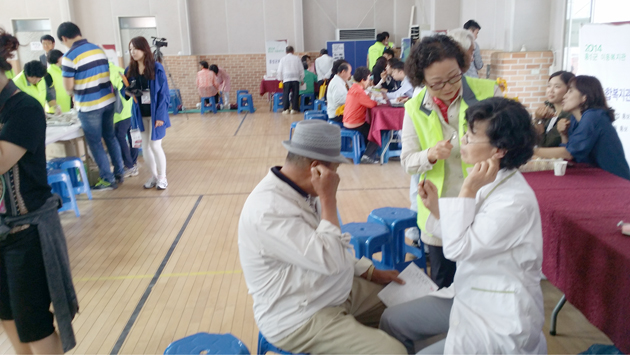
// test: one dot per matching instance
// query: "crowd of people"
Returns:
(462, 145)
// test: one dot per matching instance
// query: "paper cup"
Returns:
(560, 168)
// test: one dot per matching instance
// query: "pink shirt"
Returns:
(223, 79)
(207, 84)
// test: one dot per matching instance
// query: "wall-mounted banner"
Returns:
(604, 55)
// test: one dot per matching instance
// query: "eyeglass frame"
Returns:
(466, 141)
(449, 80)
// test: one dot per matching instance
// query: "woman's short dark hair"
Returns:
(509, 128)
(204, 64)
(361, 73)
(68, 30)
(590, 87)
(430, 50)
(335, 67)
(214, 68)
(35, 69)
(8, 44)
(53, 56)
(565, 76)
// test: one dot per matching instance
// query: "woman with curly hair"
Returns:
(492, 229)
(433, 126)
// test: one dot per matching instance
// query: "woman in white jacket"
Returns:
(493, 232)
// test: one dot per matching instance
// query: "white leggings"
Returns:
(152, 151)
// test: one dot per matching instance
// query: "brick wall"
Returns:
(526, 74)
(245, 70)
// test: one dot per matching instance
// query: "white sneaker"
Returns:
(162, 184)
(293, 112)
(131, 172)
(151, 183)
(285, 112)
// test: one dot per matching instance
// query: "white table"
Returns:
(63, 133)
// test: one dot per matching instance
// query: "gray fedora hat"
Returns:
(317, 140)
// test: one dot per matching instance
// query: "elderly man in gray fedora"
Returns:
(310, 294)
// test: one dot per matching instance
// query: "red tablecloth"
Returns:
(384, 118)
(585, 255)
(269, 86)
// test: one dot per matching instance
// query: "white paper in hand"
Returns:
(417, 285)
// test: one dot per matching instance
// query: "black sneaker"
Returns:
(367, 160)
(120, 179)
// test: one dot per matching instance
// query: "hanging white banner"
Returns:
(605, 54)
(274, 50)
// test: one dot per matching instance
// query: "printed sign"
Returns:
(338, 51)
(274, 51)
(36, 46)
(604, 56)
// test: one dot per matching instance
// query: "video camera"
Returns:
(160, 42)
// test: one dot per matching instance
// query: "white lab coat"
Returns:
(496, 241)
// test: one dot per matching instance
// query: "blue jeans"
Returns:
(129, 154)
(99, 124)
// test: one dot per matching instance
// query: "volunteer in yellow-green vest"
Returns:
(378, 48)
(122, 123)
(9, 74)
(35, 81)
(54, 70)
(433, 126)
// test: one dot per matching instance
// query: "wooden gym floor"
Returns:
(151, 267)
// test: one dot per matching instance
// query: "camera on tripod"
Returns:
(159, 42)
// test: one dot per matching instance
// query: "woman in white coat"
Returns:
(493, 232)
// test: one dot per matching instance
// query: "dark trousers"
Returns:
(294, 88)
(442, 269)
(122, 130)
(371, 147)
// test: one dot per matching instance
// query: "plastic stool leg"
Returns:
(73, 200)
(86, 184)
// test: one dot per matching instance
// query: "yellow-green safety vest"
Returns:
(114, 76)
(376, 51)
(63, 99)
(429, 129)
(9, 74)
(37, 91)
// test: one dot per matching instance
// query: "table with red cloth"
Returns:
(585, 255)
(384, 118)
(271, 87)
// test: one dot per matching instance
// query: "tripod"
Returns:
(159, 57)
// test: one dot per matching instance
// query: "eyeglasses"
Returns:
(466, 141)
(453, 80)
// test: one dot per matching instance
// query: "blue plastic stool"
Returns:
(207, 343)
(293, 125)
(239, 92)
(318, 104)
(264, 347)
(314, 115)
(352, 145)
(245, 103)
(368, 239)
(75, 168)
(277, 102)
(212, 105)
(340, 124)
(175, 101)
(397, 220)
(311, 99)
(61, 185)
(393, 149)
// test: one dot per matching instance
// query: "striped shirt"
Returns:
(88, 65)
